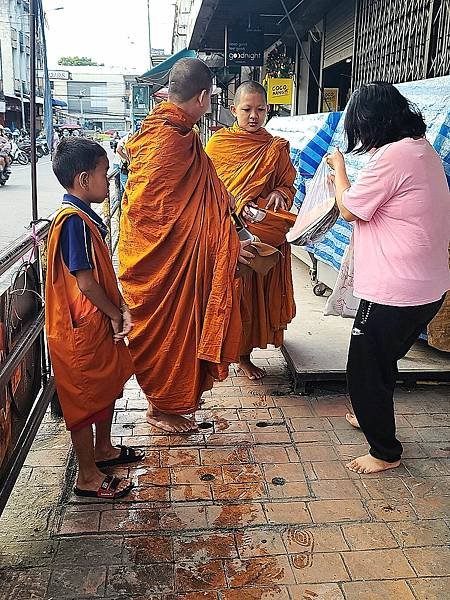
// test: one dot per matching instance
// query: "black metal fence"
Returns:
(26, 382)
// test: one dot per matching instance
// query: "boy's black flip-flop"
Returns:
(127, 455)
(106, 491)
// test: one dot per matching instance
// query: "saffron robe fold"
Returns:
(251, 165)
(90, 369)
(178, 253)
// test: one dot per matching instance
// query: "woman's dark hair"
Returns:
(73, 156)
(378, 114)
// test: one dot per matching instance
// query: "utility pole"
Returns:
(81, 107)
(33, 21)
(149, 35)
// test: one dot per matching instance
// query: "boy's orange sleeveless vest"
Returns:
(90, 369)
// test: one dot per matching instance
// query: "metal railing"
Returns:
(26, 383)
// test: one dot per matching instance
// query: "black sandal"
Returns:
(106, 491)
(127, 455)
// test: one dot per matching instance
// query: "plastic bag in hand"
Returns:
(318, 212)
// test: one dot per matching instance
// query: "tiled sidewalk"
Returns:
(258, 505)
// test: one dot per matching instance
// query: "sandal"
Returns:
(107, 490)
(127, 455)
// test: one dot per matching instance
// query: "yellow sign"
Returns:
(279, 91)
(332, 99)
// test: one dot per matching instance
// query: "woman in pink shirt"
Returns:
(400, 207)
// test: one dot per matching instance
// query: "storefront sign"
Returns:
(279, 90)
(56, 75)
(141, 99)
(244, 48)
(332, 99)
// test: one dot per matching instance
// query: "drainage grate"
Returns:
(205, 425)
(278, 481)
(207, 477)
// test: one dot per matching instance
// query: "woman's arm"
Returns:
(341, 182)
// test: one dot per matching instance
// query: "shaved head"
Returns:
(188, 78)
(249, 87)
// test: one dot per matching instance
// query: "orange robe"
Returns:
(251, 165)
(90, 369)
(178, 253)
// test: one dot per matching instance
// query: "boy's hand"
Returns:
(117, 327)
(127, 320)
(275, 200)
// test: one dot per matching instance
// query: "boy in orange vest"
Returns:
(87, 320)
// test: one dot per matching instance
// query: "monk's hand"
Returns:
(127, 320)
(248, 213)
(275, 200)
(117, 327)
(245, 256)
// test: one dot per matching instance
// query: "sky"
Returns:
(113, 32)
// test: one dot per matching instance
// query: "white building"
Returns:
(97, 97)
(15, 65)
(181, 24)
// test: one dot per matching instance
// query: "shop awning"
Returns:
(159, 75)
(59, 103)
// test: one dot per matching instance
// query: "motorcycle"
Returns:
(42, 148)
(18, 155)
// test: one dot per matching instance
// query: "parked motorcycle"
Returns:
(42, 146)
(18, 155)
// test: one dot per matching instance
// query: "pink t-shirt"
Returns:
(402, 233)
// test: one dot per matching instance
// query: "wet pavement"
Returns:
(257, 505)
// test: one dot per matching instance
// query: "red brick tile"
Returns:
(377, 590)
(235, 515)
(317, 452)
(199, 576)
(259, 542)
(293, 455)
(189, 493)
(193, 475)
(222, 425)
(80, 522)
(323, 591)
(392, 488)
(203, 548)
(427, 467)
(421, 533)
(150, 475)
(180, 457)
(130, 520)
(259, 571)
(337, 407)
(239, 491)
(270, 454)
(21, 585)
(242, 474)
(294, 489)
(302, 410)
(183, 517)
(145, 582)
(377, 564)
(256, 593)
(148, 494)
(369, 536)
(307, 437)
(384, 510)
(432, 507)
(431, 588)
(331, 469)
(151, 459)
(260, 401)
(336, 489)
(256, 414)
(335, 511)
(433, 561)
(271, 438)
(311, 423)
(78, 582)
(230, 439)
(424, 487)
(218, 456)
(289, 472)
(145, 549)
(320, 568)
(324, 539)
(287, 513)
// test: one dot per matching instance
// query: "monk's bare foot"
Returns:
(170, 423)
(250, 370)
(369, 464)
(350, 418)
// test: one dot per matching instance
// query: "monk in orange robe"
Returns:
(87, 320)
(256, 169)
(178, 254)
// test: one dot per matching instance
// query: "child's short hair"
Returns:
(73, 156)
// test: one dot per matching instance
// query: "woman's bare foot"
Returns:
(369, 464)
(350, 418)
(170, 423)
(250, 370)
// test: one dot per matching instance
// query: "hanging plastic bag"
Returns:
(342, 302)
(318, 212)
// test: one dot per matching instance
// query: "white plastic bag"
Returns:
(318, 213)
(342, 302)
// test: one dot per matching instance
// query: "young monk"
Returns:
(256, 168)
(87, 319)
(178, 255)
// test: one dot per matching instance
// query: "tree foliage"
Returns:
(78, 61)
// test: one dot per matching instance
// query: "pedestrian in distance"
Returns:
(256, 169)
(178, 254)
(87, 320)
(400, 208)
